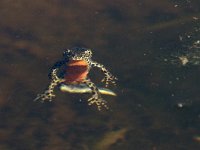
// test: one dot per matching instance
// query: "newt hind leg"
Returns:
(96, 97)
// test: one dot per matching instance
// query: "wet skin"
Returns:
(77, 63)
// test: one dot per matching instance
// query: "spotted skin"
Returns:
(77, 63)
(108, 76)
(49, 93)
(96, 97)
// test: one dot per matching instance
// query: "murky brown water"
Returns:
(157, 107)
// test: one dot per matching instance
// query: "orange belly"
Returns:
(76, 71)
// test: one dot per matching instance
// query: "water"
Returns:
(157, 107)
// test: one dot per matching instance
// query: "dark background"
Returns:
(157, 107)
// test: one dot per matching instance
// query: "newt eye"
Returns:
(67, 53)
(88, 53)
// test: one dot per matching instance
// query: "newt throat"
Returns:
(76, 71)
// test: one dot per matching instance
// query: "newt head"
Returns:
(78, 53)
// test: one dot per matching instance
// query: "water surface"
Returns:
(157, 107)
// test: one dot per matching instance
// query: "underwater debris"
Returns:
(110, 138)
(183, 59)
(190, 56)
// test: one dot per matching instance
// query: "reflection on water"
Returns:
(157, 106)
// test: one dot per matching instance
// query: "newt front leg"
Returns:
(49, 93)
(108, 76)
